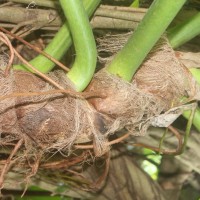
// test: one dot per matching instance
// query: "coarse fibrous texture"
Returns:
(164, 76)
(161, 74)
(161, 83)
(55, 122)
(47, 121)
(125, 103)
(59, 121)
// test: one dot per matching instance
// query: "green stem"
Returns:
(188, 127)
(196, 118)
(162, 140)
(185, 31)
(86, 54)
(59, 44)
(196, 74)
(153, 25)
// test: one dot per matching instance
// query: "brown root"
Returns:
(9, 162)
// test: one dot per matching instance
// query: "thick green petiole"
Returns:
(59, 44)
(153, 25)
(86, 54)
(185, 31)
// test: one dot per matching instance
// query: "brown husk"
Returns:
(53, 124)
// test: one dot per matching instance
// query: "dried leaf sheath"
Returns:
(51, 123)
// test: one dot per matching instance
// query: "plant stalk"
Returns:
(86, 54)
(184, 31)
(59, 44)
(127, 61)
(196, 118)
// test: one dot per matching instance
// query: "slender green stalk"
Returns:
(153, 25)
(59, 44)
(162, 140)
(196, 118)
(56, 48)
(185, 31)
(86, 54)
(191, 121)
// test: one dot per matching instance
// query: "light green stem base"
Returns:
(84, 66)
(185, 31)
(59, 44)
(153, 25)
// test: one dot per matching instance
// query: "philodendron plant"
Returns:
(82, 38)
(144, 85)
(127, 61)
